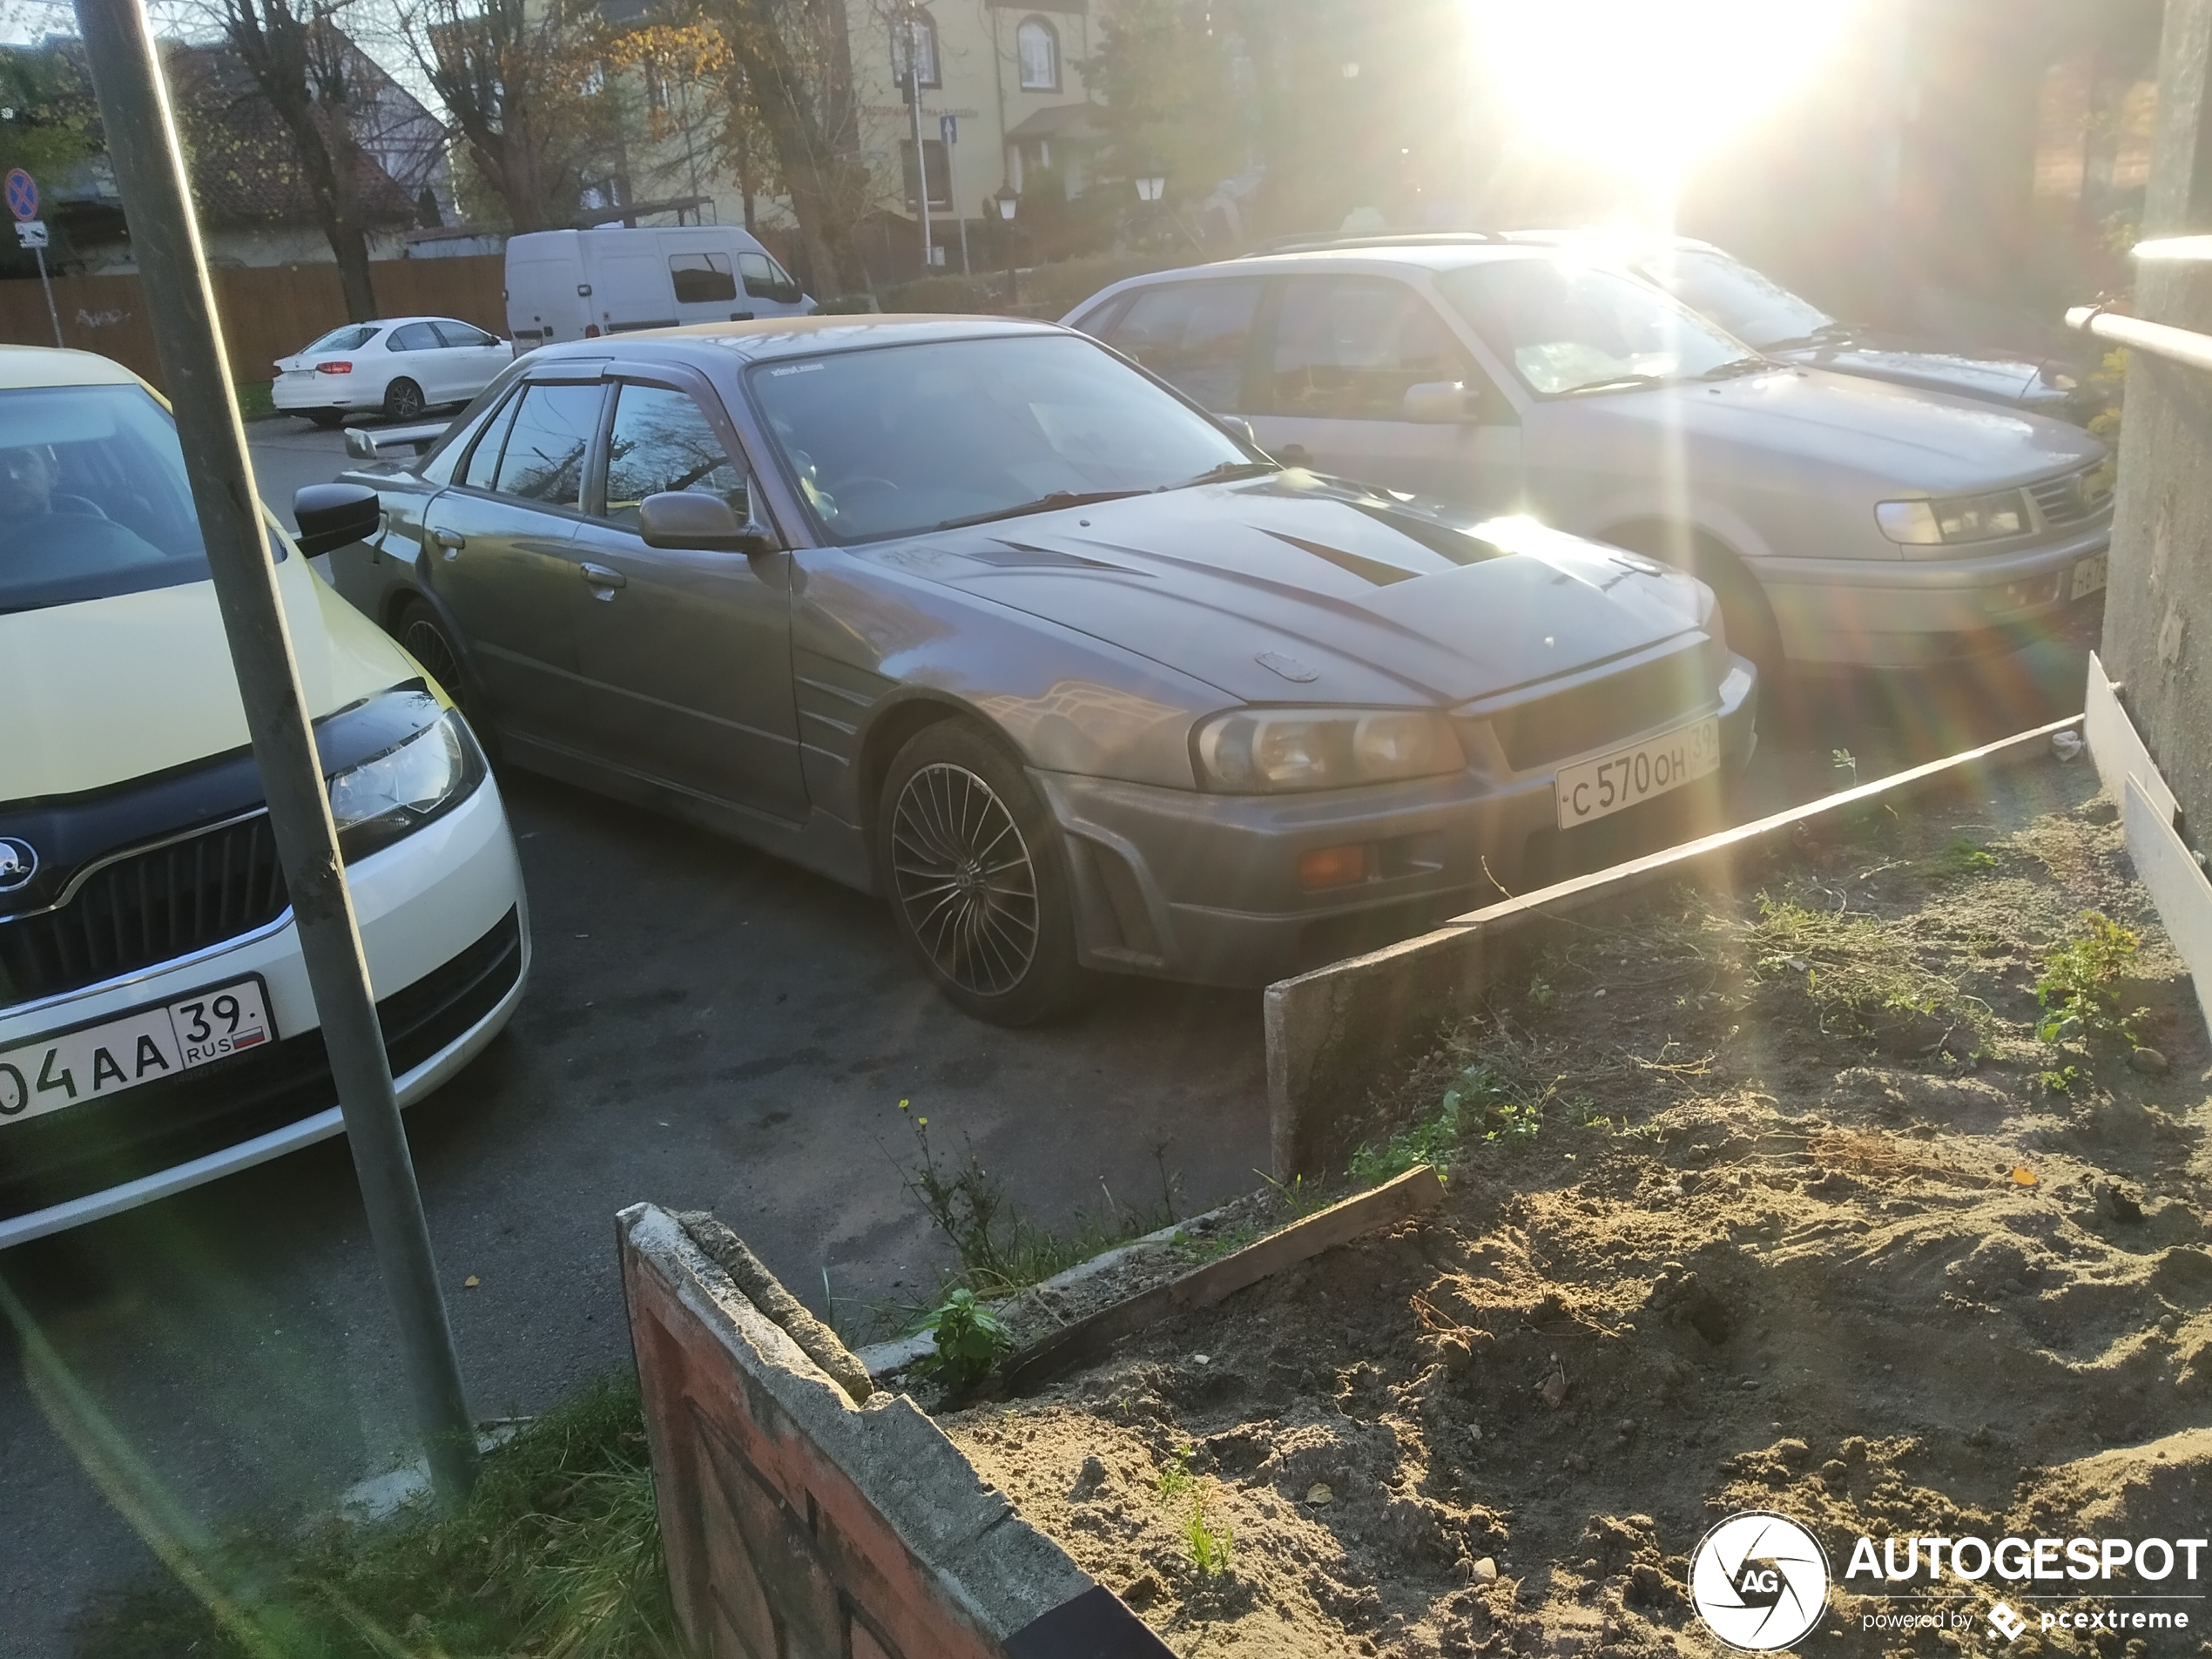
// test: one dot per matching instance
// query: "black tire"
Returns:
(403, 399)
(1748, 618)
(326, 418)
(417, 627)
(973, 867)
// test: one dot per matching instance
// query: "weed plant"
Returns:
(555, 1554)
(970, 1340)
(2079, 986)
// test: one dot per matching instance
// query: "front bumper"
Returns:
(1201, 887)
(1897, 613)
(445, 928)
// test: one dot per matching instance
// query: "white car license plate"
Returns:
(2090, 574)
(61, 1069)
(1594, 789)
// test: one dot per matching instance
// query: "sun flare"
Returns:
(1644, 86)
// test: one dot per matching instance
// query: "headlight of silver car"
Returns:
(395, 794)
(1259, 750)
(1963, 518)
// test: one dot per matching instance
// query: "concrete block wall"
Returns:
(800, 1524)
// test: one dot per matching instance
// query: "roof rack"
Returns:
(1314, 241)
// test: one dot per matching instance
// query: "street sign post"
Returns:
(949, 130)
(31, 232)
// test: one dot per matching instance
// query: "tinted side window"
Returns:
(765, 278)
(543, 458)
(1192, 335)
(460, 333)
(702, 278)
(483, 465)
(663, 440)
(416, 336)
(1346, 349)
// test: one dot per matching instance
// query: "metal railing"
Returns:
(2160, 339)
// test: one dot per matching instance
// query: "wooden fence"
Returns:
(268, 311)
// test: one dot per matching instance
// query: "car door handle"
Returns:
(600, 577)
(452, 541)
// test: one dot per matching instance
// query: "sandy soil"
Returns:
(1778, 1205)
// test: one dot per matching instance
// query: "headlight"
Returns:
(1252, 751)
(1964, 518)
(379, 801)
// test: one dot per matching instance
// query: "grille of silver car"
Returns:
(2073, 498)
(1602, 711)
(146, 908)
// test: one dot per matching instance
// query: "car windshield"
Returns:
(898, 440)
(1752, 306)
(1568, 327)
(93, 498)
(353, 337)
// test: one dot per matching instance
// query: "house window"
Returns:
(913, 32)
(940, 174)
(1037, 44)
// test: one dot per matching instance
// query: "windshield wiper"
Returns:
(1053, 503)
(1228, 471)
(1829, 334)
(1737, 367)
(1613, 383)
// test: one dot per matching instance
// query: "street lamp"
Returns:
(1150, 188)
(1006, 201)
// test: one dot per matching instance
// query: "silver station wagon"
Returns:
(975, 615)
(1841, 520)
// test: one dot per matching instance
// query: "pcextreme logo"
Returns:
(1759, 1581)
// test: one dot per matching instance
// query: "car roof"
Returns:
(790, 336)
(27, 366)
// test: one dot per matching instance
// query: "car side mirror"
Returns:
(359, 445)
(692, 521)
(1441, 403)
(335, 515)
(1237, 427)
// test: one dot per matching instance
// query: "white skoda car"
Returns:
(399, 367)
(156, 1026)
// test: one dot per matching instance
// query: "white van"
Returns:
(579, 285)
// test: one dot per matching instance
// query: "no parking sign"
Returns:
(22, 194)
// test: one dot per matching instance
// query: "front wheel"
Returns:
(418, 629)
(972, 863)
(403, 400)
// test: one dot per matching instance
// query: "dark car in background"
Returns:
(1760, 312)
(976, 615)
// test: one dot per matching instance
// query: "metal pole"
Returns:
(921, 156)
(149, 170)
(45, 282)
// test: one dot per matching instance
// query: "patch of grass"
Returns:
(2079, 986)
(555, 1554)
(1853, 967)
(1478, 1104)
(1210, 1543)
(1959, 856)
(1174, 1478)
(254, 399)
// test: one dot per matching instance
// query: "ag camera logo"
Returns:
(1759, 1581)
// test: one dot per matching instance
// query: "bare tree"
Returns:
(527, 87)
(314, 78)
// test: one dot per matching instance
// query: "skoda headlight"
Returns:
(380, 799)
(1255, 750)
(1963, 518)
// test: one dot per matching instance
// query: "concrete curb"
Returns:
(1332, 1032)
(798, 1522)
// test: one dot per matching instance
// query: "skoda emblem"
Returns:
(18, 863)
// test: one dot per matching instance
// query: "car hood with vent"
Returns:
(1293, 589)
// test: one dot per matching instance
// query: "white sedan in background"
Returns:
(399, 366)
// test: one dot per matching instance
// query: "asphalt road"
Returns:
(705, 1028)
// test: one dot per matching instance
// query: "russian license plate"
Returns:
(61, 1069)
(1594, 789)
(2090, 574)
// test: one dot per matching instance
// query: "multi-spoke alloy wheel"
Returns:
(965, 880)
(975, 872)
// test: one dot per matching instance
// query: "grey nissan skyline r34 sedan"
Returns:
(976, 615)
